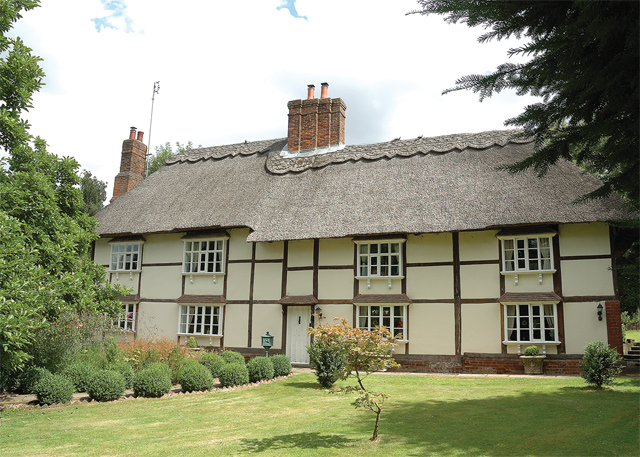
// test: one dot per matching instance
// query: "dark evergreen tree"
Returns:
(583, 59)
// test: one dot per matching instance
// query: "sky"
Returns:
(226, 70)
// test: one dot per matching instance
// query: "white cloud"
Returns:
(227, 70)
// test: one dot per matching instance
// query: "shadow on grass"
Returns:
(296, 441)
(567, 421)
(304, 385)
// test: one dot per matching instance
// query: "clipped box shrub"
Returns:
(260, 369)
(532, 351)
(125, 369)
(79, 374)
(106, 385)
(160, 366)
(154, 381)
(233, 374)
(213, 362)
(232, 357)
(53, 388)
(281, 365)
(194, 378)
(29, 378)
(182, 365)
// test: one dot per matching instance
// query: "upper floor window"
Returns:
(530, 253)
(204, 256)
(125, 256)
(379, 259)
(530, 323)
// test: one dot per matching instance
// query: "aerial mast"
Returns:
(156, 89)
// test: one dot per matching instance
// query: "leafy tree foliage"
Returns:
(164, 153)
(94, 193)
(362, 352)
(583, 63)
(45, 268)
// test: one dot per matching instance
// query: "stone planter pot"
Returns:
(533, 363)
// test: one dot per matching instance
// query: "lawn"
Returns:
(425, 415)
(633, 335)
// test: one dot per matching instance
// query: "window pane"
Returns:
(375, 310)
(395, 271)
(364, 310)
(395, 247)
(363, 322)
(373, 249)
(364, 249)
(508, 244)
(384, 248)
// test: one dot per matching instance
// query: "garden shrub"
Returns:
(125, 370)
(79, 374)
(281, 365)
(532, 351)
(106, 385)
(213, 362)
(326, 361)
(233, 374)
(600, 364)
(160, 366)
(182, 365)
(154, 381)
(260, 369)
(232, 357)
(192, 343)
(53, 388)
(195, 378)
(29, 378)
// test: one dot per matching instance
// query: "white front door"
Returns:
(298, 321)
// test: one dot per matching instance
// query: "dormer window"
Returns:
(125, 256)
(204, 256)
(527, 254)
(379, 259)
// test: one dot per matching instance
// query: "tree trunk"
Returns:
(375, 429)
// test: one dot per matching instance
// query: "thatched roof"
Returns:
(422, 185)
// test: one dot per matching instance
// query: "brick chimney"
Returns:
(316, 123)
(134, 154)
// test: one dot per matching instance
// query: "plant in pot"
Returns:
(532, 360)
(192, 344)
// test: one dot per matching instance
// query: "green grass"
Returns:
(633, 335)
(425, 415)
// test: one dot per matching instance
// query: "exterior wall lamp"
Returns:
(267, 342)
(318, 311)
(599, 311)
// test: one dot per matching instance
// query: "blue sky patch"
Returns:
(116, 19)
(291, 6)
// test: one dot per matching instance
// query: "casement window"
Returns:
(127, 319)
(204, 256)
(200, 320)
(125, 256)
(380, 259)
(530, 253)
(390, 316)
(531, 323)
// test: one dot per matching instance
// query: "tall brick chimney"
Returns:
(134, 154)
(316, 123)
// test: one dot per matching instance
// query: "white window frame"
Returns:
(125, 253)
(192, 319)
(192, 256)
(516, 249)
(378, 261)
(521, 322)
(127, 319)
(370, 317)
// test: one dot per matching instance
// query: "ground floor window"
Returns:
(127, 319)
(526, 323)
(200, 320)
(392, 317)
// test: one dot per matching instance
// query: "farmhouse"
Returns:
(466, 263)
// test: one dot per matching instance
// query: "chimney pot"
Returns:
(132, 133)
(324, 92)
(310, 91)
(140, 135)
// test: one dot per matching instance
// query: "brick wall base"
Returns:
(485, 364)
